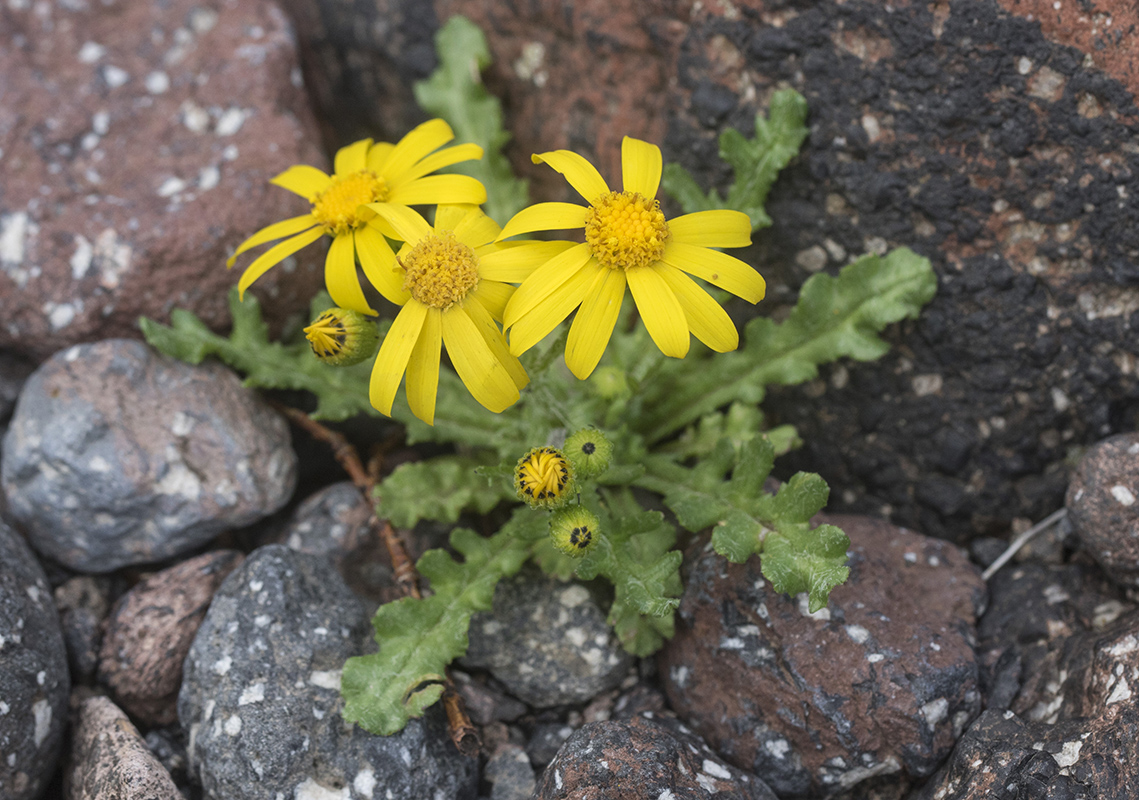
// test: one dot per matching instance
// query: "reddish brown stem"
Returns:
(463, 732)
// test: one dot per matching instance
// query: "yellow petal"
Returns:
(407, 224)
(340, 275)
(394, 353)
(706, 319)
(380, 267)
(516, 264)
(448, 215)
(439, 189)
(303, 180)
(581, 175)
(640, 167)
(548, 314)
(352, 158)
(661, 311)
(484, 375)
(475, 229)
(719, 269)
(593, 324)
(277, 230)
(423, 368)
(545, 217)
(545, 280)
(494, 296)
(420, 141)
(717, 228)
(434, 162)
(494, 339)
(275, 255)
(381, 224)
(378, 156)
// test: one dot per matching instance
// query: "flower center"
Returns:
(327, 335)
(625, 230)
(543, 475)
(335, 207)
(441, 270)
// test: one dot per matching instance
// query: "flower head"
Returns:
(342, 337)
(574, 530)
(365, 172)
(590, 451)
(448, 299)
(628, 242)
(544, 478)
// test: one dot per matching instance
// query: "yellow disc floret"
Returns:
(335, 207)
(441, 270)
(626, 230)
(342, 337)
(543, 478)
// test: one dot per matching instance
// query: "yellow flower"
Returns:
(364, 173)
(451, 295)
(628, 241)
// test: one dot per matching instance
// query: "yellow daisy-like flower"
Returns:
(448, 280)
(365, 172)
(628, 241)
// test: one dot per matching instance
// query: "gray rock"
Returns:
(110, 759)
(510, 774)
(34, 683)
(260, 701)
(547, 641)
(117, 455)
(13, 373)
(83, 604)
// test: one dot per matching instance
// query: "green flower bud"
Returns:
(342, 337)
(609, 383)
(544, 478)
(589, 451)
(574, 530)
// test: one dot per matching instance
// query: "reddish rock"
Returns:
(1103, 504)
(882, 681)
(150, 632)
(138, 140)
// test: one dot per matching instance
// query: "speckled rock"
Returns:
(260, 701)
(138, 140)
(109, 759)
(150, 631)
(547, 641)
(510, 774)
(644, 758)
(83, 604)
(335, 522)
(34, 682)
(881, 681)
(117, 455)
(1103, 505)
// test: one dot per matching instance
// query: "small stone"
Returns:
(110, 758)
(813, 259)
(547, 641)
(117, 455)
(82, 603)
(510, 774)
(1102, 508)
(13, 373)
(150, 631)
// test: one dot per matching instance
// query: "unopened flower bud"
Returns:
(544, 478)
(342, 337)
(589, 451)
(574, 530)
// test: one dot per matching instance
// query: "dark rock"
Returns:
(547, 642)
(877, 683)
(82, 603)
(150, 631)
(510, 774)
(484, 702)
(117, 455)
(13, 373)
(34, 683)
(546, 739)
(140, 157)
(109, 758)
(260, 701)
(1103, 505)
(169, 747)
(645, 757)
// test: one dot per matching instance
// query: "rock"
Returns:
(169, 747)
(874, 684)
(644, 758)
(260, 701)
(111, 760)
(547, 641)
(486, 703)
(13, 373)
(510, 774)
(82, 603)
(150, 631)
(335, 522)
(34, 684)
(117, 455)
(546, 739)
(139, 158)
(1103, 505)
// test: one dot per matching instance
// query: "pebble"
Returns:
(117, 455)
(510, 774)
(83, 604)
(260, 702)
(1103, 505)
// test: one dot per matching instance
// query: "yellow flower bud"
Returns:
(574, 530)
(342, 337)
(544, 478)
(589, 451)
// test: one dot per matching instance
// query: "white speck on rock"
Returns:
(252, 694)
(112, 257)
(1120, 693)
(91, 52)
(194, 117)
(233, 725)
(364, 783)
(924, 385)
(182, 424)
(82, 257)
(209, 177)
(857, 634)
(230, 122)
(13, 235)
(222, 665)
(1123, 495)
(731, 643)
(179, 480)
(311, 790)
(41, 677)
(874, 658)
(325, 679)
(114, 76)
(171, 187)
(935, 711)
(60, 315)
(41, 713)
(715, 770)
(680, 676)
(157, 82)
(261, 620)
(777, 747)
(256, 586)
(1128, 644)
(4, 708)
(573, 596)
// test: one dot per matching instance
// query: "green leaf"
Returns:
(756, 162)
(455, 92)
(440, 489)
(341, 392)
(418, 638)
(797, 559)
(834, 318)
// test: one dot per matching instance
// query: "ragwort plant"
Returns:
(572, 418)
